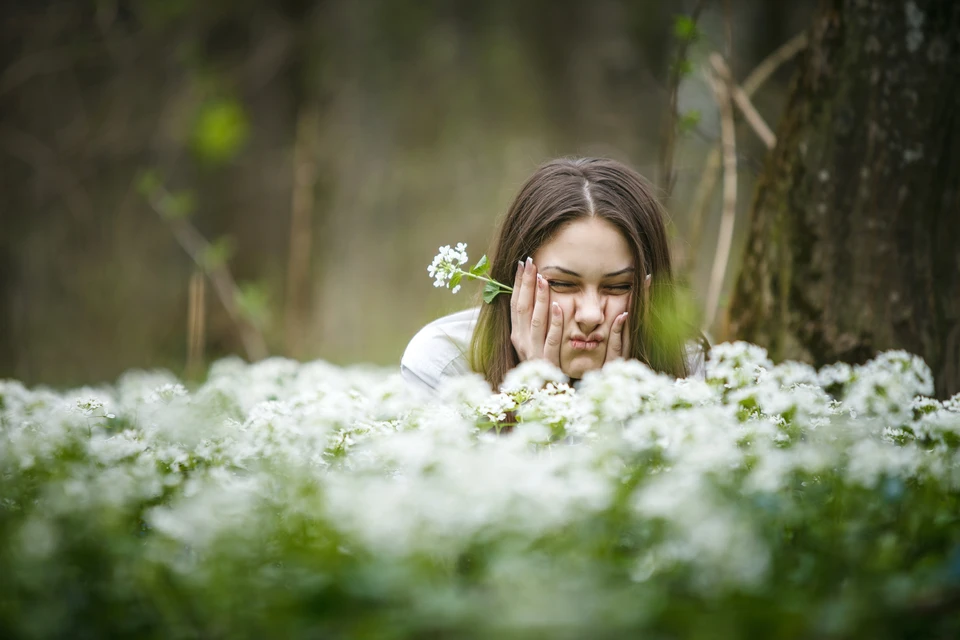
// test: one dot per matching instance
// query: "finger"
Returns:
(551, 346)
(625, 333)
(625, 329)
(515, 294)
(615, 345)
(528, 286)
(524, 299)
(540, 316)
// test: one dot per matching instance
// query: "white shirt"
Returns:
(440, 351)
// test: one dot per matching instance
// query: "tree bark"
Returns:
(854, 244)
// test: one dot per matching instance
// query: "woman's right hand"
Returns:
(536, 324)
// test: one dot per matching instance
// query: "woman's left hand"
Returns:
(619, 342)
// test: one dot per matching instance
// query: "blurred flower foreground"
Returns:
(306, 500)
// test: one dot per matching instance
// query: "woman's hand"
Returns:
(536, 325)
(618, 343)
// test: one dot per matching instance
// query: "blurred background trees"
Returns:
(321, 151)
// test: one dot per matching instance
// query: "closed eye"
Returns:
(559, 285)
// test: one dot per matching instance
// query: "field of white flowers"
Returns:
(304, 500)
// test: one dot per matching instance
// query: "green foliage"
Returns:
(491, 291)
(179, 205)
(482, 267)
(685, 29)
(304, 500)
(218, 253)
(253, 302)
(682, 67)
(159, 13)
(149, 183)
(220, 130)
(688, 122)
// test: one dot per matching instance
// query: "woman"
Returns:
(585, 246)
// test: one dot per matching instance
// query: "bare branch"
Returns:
(669, 134)
(301, 228)
(196, 323)
(708, 179)
(742, 100)
(725, 236)
(772, 62)
(227, 290)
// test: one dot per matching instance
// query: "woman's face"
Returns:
(589, 268)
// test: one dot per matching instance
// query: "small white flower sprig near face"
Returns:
(446, 272)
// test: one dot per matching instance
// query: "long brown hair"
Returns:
(559, 192)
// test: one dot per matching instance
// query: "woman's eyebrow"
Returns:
(619, 273)
(577, 275)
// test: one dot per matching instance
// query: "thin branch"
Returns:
(669, 134)
(708, 179)
(725, 236)
(772, 62)
(742, 100)
(727, 29)
(196, 323)
(227, 290)
(301, 228)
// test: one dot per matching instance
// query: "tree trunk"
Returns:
(854, 245)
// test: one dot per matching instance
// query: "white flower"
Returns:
(698, 474)
(446, 264)
(532, 375)
(166, 393)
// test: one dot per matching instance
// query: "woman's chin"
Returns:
(580, 364)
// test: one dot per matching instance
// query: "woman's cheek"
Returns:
(615, 306)
(566, 305)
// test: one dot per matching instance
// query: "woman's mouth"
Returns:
(585, 345)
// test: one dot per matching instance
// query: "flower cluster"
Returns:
(307, 499)
(447, 264)
(446, 272)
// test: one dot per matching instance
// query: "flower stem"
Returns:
(499, 284)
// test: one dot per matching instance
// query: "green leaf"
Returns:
(688, 121)
(148, 182)
(253, 302)
(221, 128)
(481, 268)
(490, 292)
(683, 67)
(685, 29)
(217, 254)
(179, 205)
(455, 280)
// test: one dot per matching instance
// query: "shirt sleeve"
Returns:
(412, 379)
(437, 351)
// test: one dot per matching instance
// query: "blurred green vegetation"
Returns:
(428, 117)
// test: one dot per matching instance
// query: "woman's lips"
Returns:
(585, 345)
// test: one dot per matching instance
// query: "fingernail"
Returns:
(541, 283)
(529, 261)
(520, 266)
(556, 308)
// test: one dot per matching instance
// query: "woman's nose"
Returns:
(589, 313)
